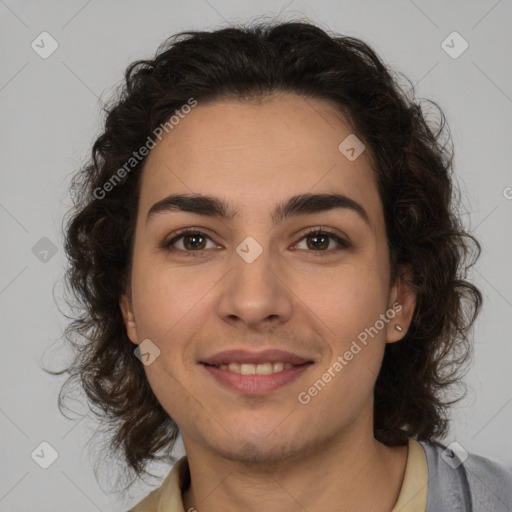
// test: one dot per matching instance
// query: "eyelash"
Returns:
(311, 231)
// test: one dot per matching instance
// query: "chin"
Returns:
(261, 445)
(260, 454)
(261, 427)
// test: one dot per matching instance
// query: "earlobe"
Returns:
(403, 294)
(129, 318)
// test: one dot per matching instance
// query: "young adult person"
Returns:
(268, 246)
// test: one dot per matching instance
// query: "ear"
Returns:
(126, 306)
(403, 302)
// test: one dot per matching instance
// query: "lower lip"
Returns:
(256, 384)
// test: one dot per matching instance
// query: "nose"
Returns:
(255, 292)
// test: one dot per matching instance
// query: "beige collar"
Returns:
(412, 497)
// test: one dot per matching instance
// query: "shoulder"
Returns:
(149, 503)
(168, 495)
(462, 481)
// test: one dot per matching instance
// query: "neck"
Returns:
(355, 474)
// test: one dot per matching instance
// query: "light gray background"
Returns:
(50, 116)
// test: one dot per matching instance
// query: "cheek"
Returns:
(346, 299)
(349, 308)
(173, 393)
(167, 299)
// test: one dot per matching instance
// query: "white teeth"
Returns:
(264, 369)
(277, 367)
(247, 369)
(256, 369)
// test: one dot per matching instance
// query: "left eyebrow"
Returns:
(302, 204)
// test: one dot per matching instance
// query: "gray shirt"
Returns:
(459, 484)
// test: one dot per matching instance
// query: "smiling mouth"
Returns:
(255, 378)
(265, 368)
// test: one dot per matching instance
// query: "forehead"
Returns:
(250, 152)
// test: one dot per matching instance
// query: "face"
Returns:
(290, 290)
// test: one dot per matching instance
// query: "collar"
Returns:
(412, 497)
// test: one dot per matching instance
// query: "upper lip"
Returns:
(265, 356)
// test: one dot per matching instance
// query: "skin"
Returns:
(246, 452)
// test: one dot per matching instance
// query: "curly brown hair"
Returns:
(412, 161)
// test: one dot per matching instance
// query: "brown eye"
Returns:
(189, 242)
(194, 241)
(319, 240)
